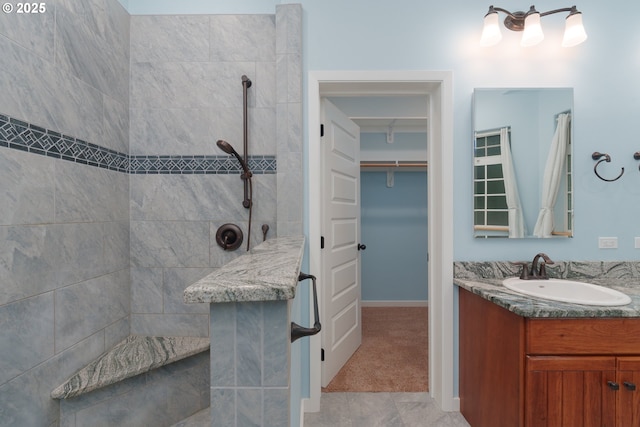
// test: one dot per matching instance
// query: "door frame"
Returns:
(440, 222)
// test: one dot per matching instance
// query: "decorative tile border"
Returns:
(28, 137)
(199, 165)
(24, 136)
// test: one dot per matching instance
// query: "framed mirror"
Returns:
(522, 169)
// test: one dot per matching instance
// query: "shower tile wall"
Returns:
(64, 225)
(289, 118)
(111, 185)
(186, 93)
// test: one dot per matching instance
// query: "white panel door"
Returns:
(342, 331)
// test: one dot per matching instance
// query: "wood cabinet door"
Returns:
(628, 409)
(491, 363)
(570, 391)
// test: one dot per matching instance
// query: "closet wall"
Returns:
(394, 222)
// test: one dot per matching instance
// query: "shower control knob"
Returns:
(361, 247)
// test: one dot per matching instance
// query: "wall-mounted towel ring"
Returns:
(595, 156)
(636, 156)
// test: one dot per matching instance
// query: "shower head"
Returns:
(227, 148)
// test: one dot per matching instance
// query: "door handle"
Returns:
(361, 247)
(298, 331)
(629, 386)
(613, 385)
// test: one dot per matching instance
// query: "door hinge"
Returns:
(321, 242)
(322, 354)
(321, 130)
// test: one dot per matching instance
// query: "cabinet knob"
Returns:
(613, 385)
(630, 386)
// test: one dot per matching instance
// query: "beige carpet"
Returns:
(394, 355)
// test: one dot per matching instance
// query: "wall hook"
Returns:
(636, 156)
(595, 156)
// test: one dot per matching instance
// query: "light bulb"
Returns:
(574, 33)
(532, 34)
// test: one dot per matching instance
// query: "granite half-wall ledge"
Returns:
(250, 301)
(268, 272)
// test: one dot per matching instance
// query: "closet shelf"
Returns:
(394, 164)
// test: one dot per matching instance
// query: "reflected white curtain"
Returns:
(553, 175)
(516, 219)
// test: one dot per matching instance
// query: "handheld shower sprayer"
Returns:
(247, 202)
(227, 148)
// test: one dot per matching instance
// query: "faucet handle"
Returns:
(524, 273)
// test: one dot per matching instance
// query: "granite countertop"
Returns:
(526, 306)
(485, 279)
(268, 272)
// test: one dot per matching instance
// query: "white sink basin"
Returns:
(567, 291)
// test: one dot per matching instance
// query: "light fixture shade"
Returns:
(574, 33)
(532, 34)
(491, 34)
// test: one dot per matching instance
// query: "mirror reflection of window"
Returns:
(568, 219)
(491, 218)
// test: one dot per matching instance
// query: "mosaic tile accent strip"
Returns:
(24, 136)
(199, 165)
(28, 137)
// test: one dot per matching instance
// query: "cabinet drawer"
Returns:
(583, 336)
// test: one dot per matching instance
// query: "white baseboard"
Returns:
(456, 404)
(395, 303)
(302, 410)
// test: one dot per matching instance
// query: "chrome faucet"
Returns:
(533, 274)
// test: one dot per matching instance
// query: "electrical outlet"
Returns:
(637, 243)
(607, 242)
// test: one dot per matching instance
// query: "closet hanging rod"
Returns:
(393, 164)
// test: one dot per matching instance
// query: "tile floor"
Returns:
(367, 410)
(381, 410)
(200, 419)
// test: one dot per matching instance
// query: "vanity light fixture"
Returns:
(529, 24)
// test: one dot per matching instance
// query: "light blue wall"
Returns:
(421, 35)
(394, 228)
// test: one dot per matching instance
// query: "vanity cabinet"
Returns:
(547, 372)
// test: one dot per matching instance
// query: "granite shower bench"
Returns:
(140, 381)
(133, 356)
(162, 380)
